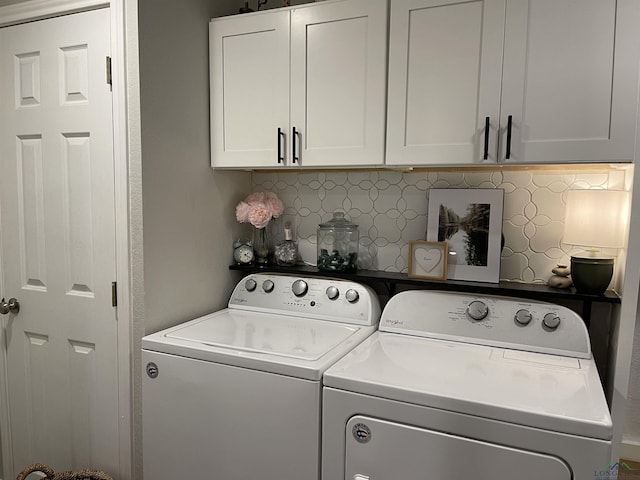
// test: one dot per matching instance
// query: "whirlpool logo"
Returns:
(619, 470)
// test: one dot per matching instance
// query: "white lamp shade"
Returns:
(596, 218)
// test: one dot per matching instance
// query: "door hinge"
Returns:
(114, 294)
(109, 71)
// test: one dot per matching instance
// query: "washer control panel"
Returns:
(488, 320)
(320, 298)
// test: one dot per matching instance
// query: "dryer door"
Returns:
(377, 449)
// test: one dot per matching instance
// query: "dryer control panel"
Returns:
(328, 299)
(488, 320)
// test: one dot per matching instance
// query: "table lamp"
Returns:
(594, 219)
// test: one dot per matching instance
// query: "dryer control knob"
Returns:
(477, 310)
(551, 321)
(352, 295)
(250, 285)
(267, 286)
(333, 292)
(523, 317)
(299, 288)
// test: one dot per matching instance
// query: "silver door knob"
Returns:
(12, 306)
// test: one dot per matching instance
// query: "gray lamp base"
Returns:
(591, 275)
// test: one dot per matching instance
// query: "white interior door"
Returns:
(58, 243)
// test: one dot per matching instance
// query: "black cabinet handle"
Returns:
(294, 157)
(280, 135)
(509, 126)
(486, 138)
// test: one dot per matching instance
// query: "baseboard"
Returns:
(630, 450)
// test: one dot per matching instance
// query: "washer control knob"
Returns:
(333, 292)
(477, 310)
(299, 288)
(267, 286)
(352, 295)
(551, 321)
(523, 317)
(250, 285)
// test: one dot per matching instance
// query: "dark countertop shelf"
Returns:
(531, 291)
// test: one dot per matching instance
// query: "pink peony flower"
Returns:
(242, 212)
(274, 204)
(259, 215)
(259, 208)
(255, 197)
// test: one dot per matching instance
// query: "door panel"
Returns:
(329, 93)
(387, 450)
(338, 82)
(569, 77)
(444, 79)
(249, 89)
(58, 242)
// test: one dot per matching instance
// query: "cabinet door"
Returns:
(249, 87)
(570, 80)
(445, 61)
(338, 82)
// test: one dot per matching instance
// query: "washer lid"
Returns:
(275, 343)
(272, 334)
(551, 392)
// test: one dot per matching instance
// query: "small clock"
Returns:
(243, 253)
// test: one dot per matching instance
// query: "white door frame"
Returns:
(38, 10)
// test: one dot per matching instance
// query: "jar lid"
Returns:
(338, 221)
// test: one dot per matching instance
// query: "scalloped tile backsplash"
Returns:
(391, 209)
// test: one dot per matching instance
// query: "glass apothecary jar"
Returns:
(338, 241)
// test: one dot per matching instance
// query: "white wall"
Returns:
(627, 341)
(625, 344)
(188, 208)
(631, 436)
(136, 265)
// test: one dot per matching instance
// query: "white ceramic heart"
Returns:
(428, 259)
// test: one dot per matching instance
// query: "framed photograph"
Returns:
(470, 221)
(427, 260)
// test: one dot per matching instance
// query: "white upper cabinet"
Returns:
(535, 81)
(445, 62)
(338, 82)
(570, 80)
(249, 88)
(298, 87)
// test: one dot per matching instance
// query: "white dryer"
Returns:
(237, 394)
(455, 387)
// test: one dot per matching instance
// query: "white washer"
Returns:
(237, 394)
(456, 386)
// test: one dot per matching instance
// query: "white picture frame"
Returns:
(470, 221)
